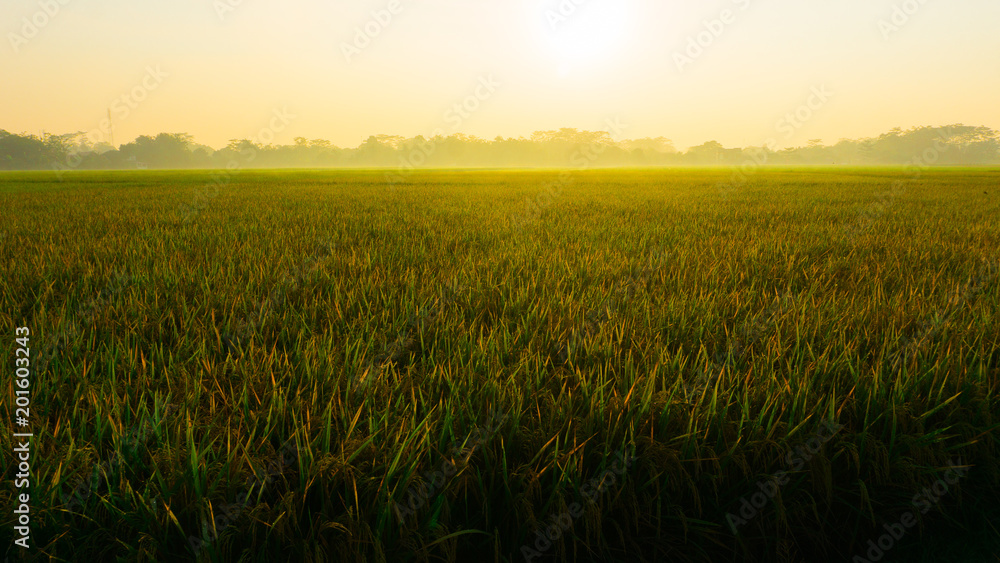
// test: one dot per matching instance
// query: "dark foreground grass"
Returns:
(478, 366)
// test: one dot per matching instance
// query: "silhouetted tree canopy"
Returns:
(565, 148)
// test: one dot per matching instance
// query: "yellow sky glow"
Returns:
(725, 70)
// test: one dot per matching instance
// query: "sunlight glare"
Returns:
(586, 35)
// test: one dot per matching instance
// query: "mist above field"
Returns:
(563, 148)
(734, 71)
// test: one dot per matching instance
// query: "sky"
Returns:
(740, 72)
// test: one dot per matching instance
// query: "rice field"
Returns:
(466, 365)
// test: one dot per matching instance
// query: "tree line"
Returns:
(953, 145)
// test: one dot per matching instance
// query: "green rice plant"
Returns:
(313, 347)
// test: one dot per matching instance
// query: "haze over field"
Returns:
(467, 280)
(506, 366)
(738, 72)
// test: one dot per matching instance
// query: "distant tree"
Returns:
(708, 153)
(166, 150)
(927, 146)
(21, 152)
(651, 145)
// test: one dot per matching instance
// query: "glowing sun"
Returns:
(583, 33)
